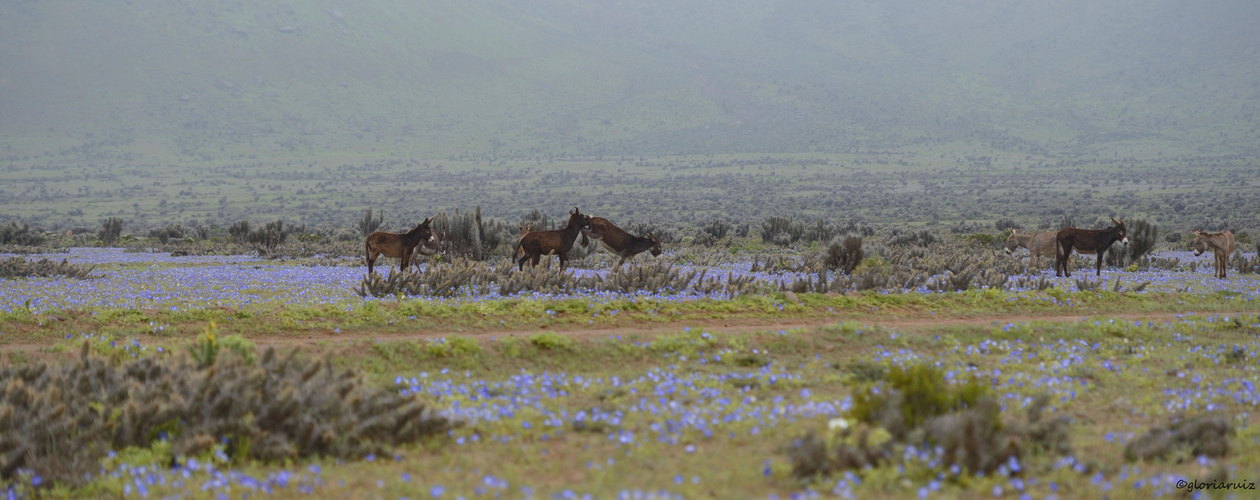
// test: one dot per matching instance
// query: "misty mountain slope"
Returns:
(207, 80)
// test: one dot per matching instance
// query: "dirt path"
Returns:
(648, 331)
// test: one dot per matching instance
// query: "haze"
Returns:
(194, 80)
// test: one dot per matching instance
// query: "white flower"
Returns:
(838, 424)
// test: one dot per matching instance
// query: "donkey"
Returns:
(396, 245)
(431, 246)
(536, 244)
(525, 229)
(621, 243)
(1086, 241)
(1222, 245)
(1038, 243)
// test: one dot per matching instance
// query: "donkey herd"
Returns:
(532, 245)
(1061, 243)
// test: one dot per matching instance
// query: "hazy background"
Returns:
(205, 80)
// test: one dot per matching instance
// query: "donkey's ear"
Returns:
(427, 220)
(1012, 231)
(653, 238)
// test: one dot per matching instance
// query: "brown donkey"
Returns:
(620, 242)
(396, 245)
(1222, 245)
(536, 244)
(525, 229)
(1087, 241)
(1038, 244)
(429, 247)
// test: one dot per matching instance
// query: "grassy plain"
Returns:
(702, 398)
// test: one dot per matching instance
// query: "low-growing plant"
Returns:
(552, 341)
(205, 349)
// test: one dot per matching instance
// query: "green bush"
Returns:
(552, 341)
(924, 393)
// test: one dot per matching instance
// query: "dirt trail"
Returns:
(648, 331)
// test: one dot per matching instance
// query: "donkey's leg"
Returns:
(371, 259)
(521, 262)
(1222, 262)
(1099, 264)
(1060, 256)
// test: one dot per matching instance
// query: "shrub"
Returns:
(961, 423)
(15, 267)
(205, 349)
(781, 230)
(914, 394)
(1142, 239)
(1202, 435)
(1005, 223)
(59, 420)
(466, 235)
(164, 234)
(111, 230)
(12, 234)
(368, 224)
(844, 255)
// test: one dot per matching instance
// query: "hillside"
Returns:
(211, 81)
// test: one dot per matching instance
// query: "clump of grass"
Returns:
(552, 341)
(687, 343)
(456, 346)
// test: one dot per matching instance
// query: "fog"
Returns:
(203, 80)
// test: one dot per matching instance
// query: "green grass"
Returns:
(1108, 402)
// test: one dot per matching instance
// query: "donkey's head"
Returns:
(1200, 243)
(656, 245)
(1012, 244)
(581, 220)
(423, 230)
(1122, 234)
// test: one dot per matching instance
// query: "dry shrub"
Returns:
(59, 419)
(15, 267)
(464, 277)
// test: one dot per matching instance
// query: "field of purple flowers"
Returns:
(160, 281)
(696, 412)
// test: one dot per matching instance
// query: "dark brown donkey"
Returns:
(620, 242)
(536, 244)
(396, 245)
(1222, 245)
(1086, 241)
